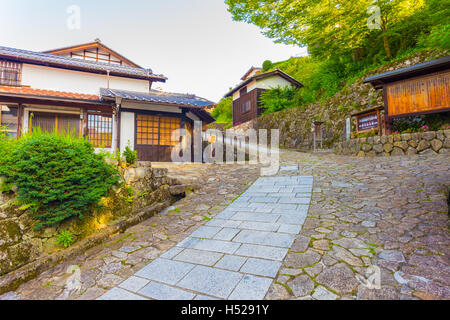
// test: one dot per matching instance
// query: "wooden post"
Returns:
(387, 125)
(379, 122)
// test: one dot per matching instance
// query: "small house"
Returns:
(94, 91)
(246, 95)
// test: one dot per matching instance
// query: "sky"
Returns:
(195, 43)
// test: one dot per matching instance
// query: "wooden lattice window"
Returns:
(10, 73)
(100, 128)
(155, 129)
(147, 129)
(168, 125)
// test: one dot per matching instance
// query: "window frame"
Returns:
(97, 142)
(10, 68)
(246, 107)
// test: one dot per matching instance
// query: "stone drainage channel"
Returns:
(236, 255)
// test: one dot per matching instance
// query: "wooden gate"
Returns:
(153, 137)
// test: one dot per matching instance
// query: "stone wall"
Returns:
(397, 144)
(295, 123)
(21, 244)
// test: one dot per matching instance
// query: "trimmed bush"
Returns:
(130, 155)
(57, 176)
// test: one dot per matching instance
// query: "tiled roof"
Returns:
(47, 93)
(77, 64)
(158, 97)
(258, 76)
(409, 72)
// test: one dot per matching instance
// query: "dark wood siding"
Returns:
(255, 110)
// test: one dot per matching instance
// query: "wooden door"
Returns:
(153, 137)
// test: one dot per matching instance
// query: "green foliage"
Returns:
(267, 65)
(367, 134)
(439, 36)
(59, 176)
(338, 34)
(130, 155)
(223, 113)
(329, 29)
(340, 43)
(431, 122)
(277, 99)
(65, 238)
(3, 132)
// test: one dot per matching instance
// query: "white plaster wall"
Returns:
(40, 77)
(126, 130)
(236, 95)
(251, 74)
(272, 82)
(251, 86)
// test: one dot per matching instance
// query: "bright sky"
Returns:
(195, 43)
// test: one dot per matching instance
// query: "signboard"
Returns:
(423, 94)
(368, 121)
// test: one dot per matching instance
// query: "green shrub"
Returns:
(267, 65)
(130, 155)
(59, 176)
(65, 238)
(223, 113)
(278, 99)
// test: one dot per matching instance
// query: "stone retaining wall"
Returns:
(21, 244)
(433, 142)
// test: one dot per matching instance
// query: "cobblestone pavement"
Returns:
(389, 212)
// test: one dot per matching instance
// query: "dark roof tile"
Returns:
(77, 64)
(157, 96)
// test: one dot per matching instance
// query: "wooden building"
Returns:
(246, 95)
(94, 91)
(419, 89)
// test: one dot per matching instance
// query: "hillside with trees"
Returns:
(345, 41)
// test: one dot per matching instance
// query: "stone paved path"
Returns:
(236, 255)
(390, 212)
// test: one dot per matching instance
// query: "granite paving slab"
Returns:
(235, 255)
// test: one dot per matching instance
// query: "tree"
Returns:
(223, 113)
(326, 27)
(267, 65)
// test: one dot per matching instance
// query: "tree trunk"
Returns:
(386, 46)
(385, 39)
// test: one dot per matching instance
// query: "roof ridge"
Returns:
(74, 62)
(70, 58)
(162, 93)
(154, 94)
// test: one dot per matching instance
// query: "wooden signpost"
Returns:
(368, 120)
